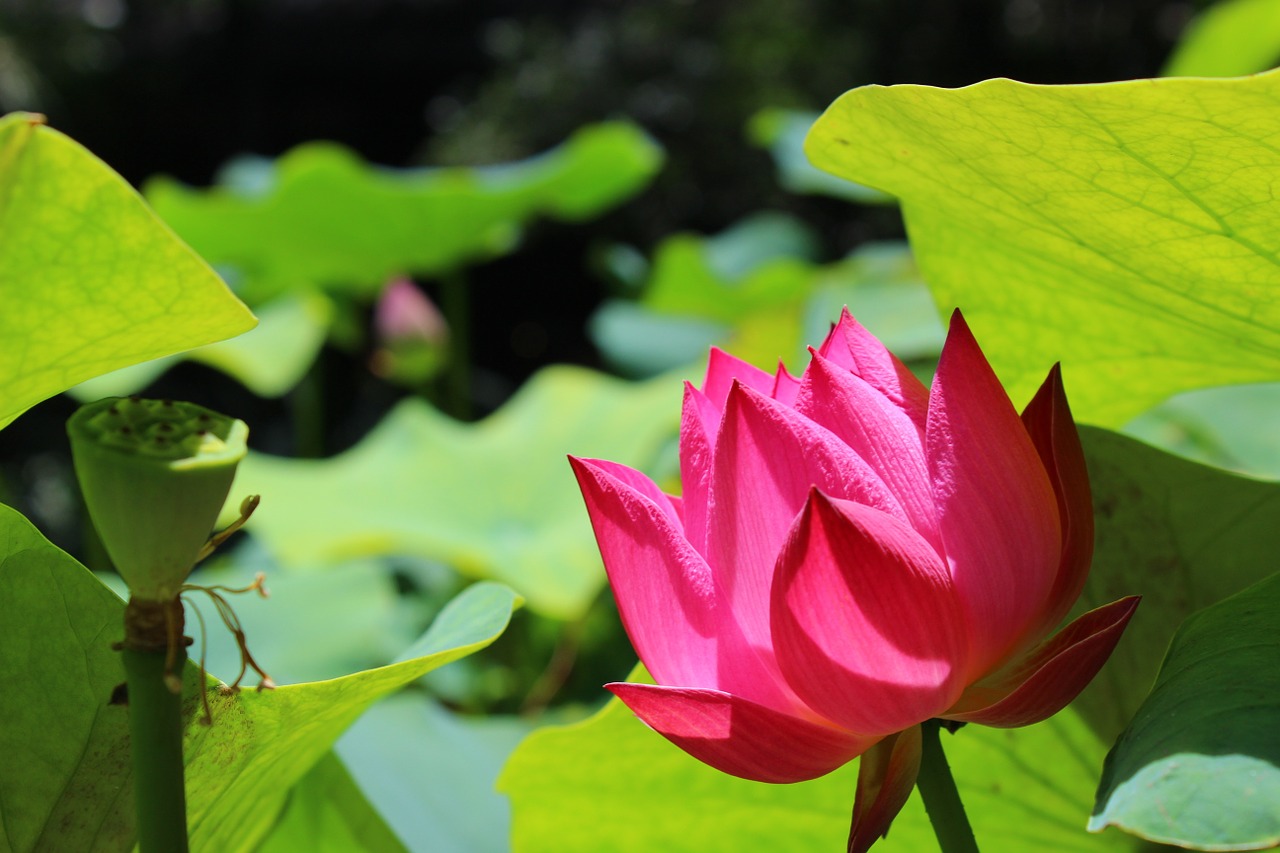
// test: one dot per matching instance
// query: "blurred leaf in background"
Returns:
(1229, 38)
(321, 218)
(494, 499)
(782, 133)
(756, 289)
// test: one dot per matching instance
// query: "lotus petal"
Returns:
(767, 458)
(1041, 685)
(996, 508)
(740, 737)
(865, 625)
(886, 774)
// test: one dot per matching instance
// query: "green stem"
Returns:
(155, 731)
(941, 799)
(455, 303)
(308, 412)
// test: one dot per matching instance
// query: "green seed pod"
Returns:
(155, 475)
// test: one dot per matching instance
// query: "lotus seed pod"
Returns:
(154, 474)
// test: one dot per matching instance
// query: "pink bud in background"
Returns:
(412, 335)
(405, 313)
(854, 554)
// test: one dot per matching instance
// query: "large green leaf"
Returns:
(494, 499)
(1230, 38)
(1199, 766)
(90, 279)
(1182, 535)
(66, 779)
(327, 813)
(1126, 229)
(240, 769)
(323, 218)
(610, 783)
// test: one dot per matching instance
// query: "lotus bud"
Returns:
(154, 474)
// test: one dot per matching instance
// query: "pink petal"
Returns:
(886, 774)
(739, 737)
(699, 423)
(878, 431)
(1039, 686)
(666, 595)
(664, 589)
(724, 369)
(767, 457)
(996, 509)
(864, 624)
(1053, 432)
(785, 386)
(852, 347)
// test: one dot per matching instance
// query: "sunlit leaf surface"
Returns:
(321, 217)
(268, 360)
(57, 623)
(90, 279)
(494, 499)
(610, 783)
(1126, 229)
(1199, 766)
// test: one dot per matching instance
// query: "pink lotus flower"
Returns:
(854, 554)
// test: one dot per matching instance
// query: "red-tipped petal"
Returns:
(886, 774)
(1053, 432)
(740, 737)
(785, 386)
(878, 431)
(1051, 676)
(767, 457)
(996, 509)
(864, 624)
(724, 369)
(852, 347)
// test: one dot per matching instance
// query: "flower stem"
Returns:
(155, 732)
(941, 799)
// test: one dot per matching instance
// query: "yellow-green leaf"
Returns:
(90, 279)
(1126, 229)
(611, 783)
